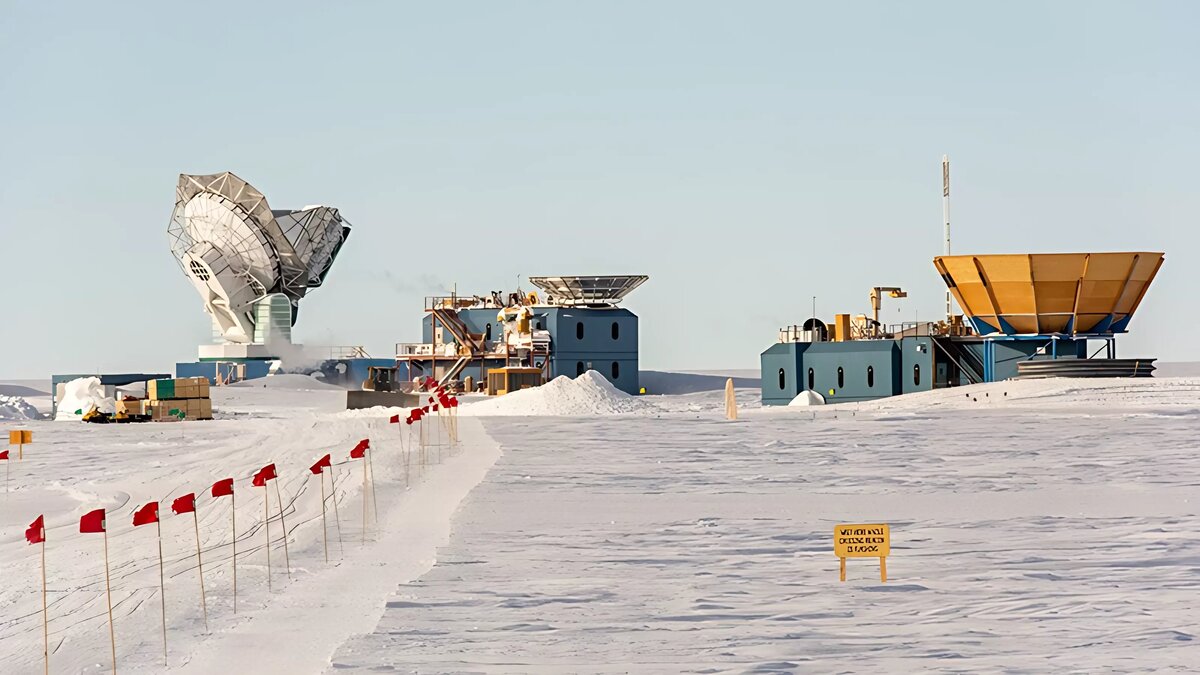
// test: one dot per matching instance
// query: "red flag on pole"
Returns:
(264, 474)
(36, 533)
(394, 419)
(4, 454)
(320, 465)
(223, 488)
(146, 515)
(360, 450)
(184, 504)
(434, 407)
(92, 522)
(454, 402)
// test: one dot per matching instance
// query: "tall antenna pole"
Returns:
(946, 220)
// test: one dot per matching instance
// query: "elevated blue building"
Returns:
(575, 325)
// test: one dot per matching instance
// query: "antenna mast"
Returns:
(946, 220)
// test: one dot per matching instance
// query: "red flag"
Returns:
(36, 533)
(360, 450)
(264, 474)
(454, 402)
(417, 413)
(434, 407)
(146, 515)
(4, 454)
(425, 409)
(395, 419)
(92, 522)
(320, 465)
(409, 421)
(223, 488)
(184, 504)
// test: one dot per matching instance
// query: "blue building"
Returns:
(1024, 315)
(573, 327)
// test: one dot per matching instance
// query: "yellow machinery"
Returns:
(501, 381)
(1048, 293)
(876, 301)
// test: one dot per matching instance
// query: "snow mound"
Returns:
(806, 398)
(588, 394)
(16, 408)
(80, 395)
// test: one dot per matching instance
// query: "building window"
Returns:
(616, 330)
(841, 378)
(579, 369)
(579, 330)
(487, 335)
(782, 379)
(870, 376)
(811, 379)
(917, 374)
(199, 271)
(616, 370)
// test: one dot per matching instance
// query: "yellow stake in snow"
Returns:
(863, 541)
(730, 401)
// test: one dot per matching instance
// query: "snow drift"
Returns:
(81, 394)
(806, 398)
(588, 394)
(16, 408)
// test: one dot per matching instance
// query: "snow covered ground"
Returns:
(73, 468)
(1054, 528)
(1043, 525)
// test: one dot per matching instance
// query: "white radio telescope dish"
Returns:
(242, 257)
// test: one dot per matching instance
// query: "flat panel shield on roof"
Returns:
(596, 290)
(1049, 293)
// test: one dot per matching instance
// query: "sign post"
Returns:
(19, 438)
(863, 541)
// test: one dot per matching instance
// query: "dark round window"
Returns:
(917, 374)
(616, 370)
(488, 333)
(579, 330)
(841, 377)
(870, 376)
(812, 377)
(616, 330)
(579, 369)
(782, 379)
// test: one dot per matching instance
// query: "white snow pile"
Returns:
(81, 394)
(16, 408)
(588, 394)
(806, 398)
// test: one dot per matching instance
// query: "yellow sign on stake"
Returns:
(19, 437)
(863, 541)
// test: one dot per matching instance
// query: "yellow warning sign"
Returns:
(19, 438)
(862, 541)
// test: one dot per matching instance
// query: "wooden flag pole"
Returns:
(374, 499)
(843, 574)
(336, 518)
(406, 457)
(112, 634)
(200, 564)
(324, 525)
(233, 530)
(267, 526)
(45, 618)
(364, 494)
(287, 559)
(162, 590)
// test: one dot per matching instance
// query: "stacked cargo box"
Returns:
(183, 398)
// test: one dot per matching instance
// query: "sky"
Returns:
(746, 156)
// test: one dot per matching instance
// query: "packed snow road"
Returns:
(1036, 526)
